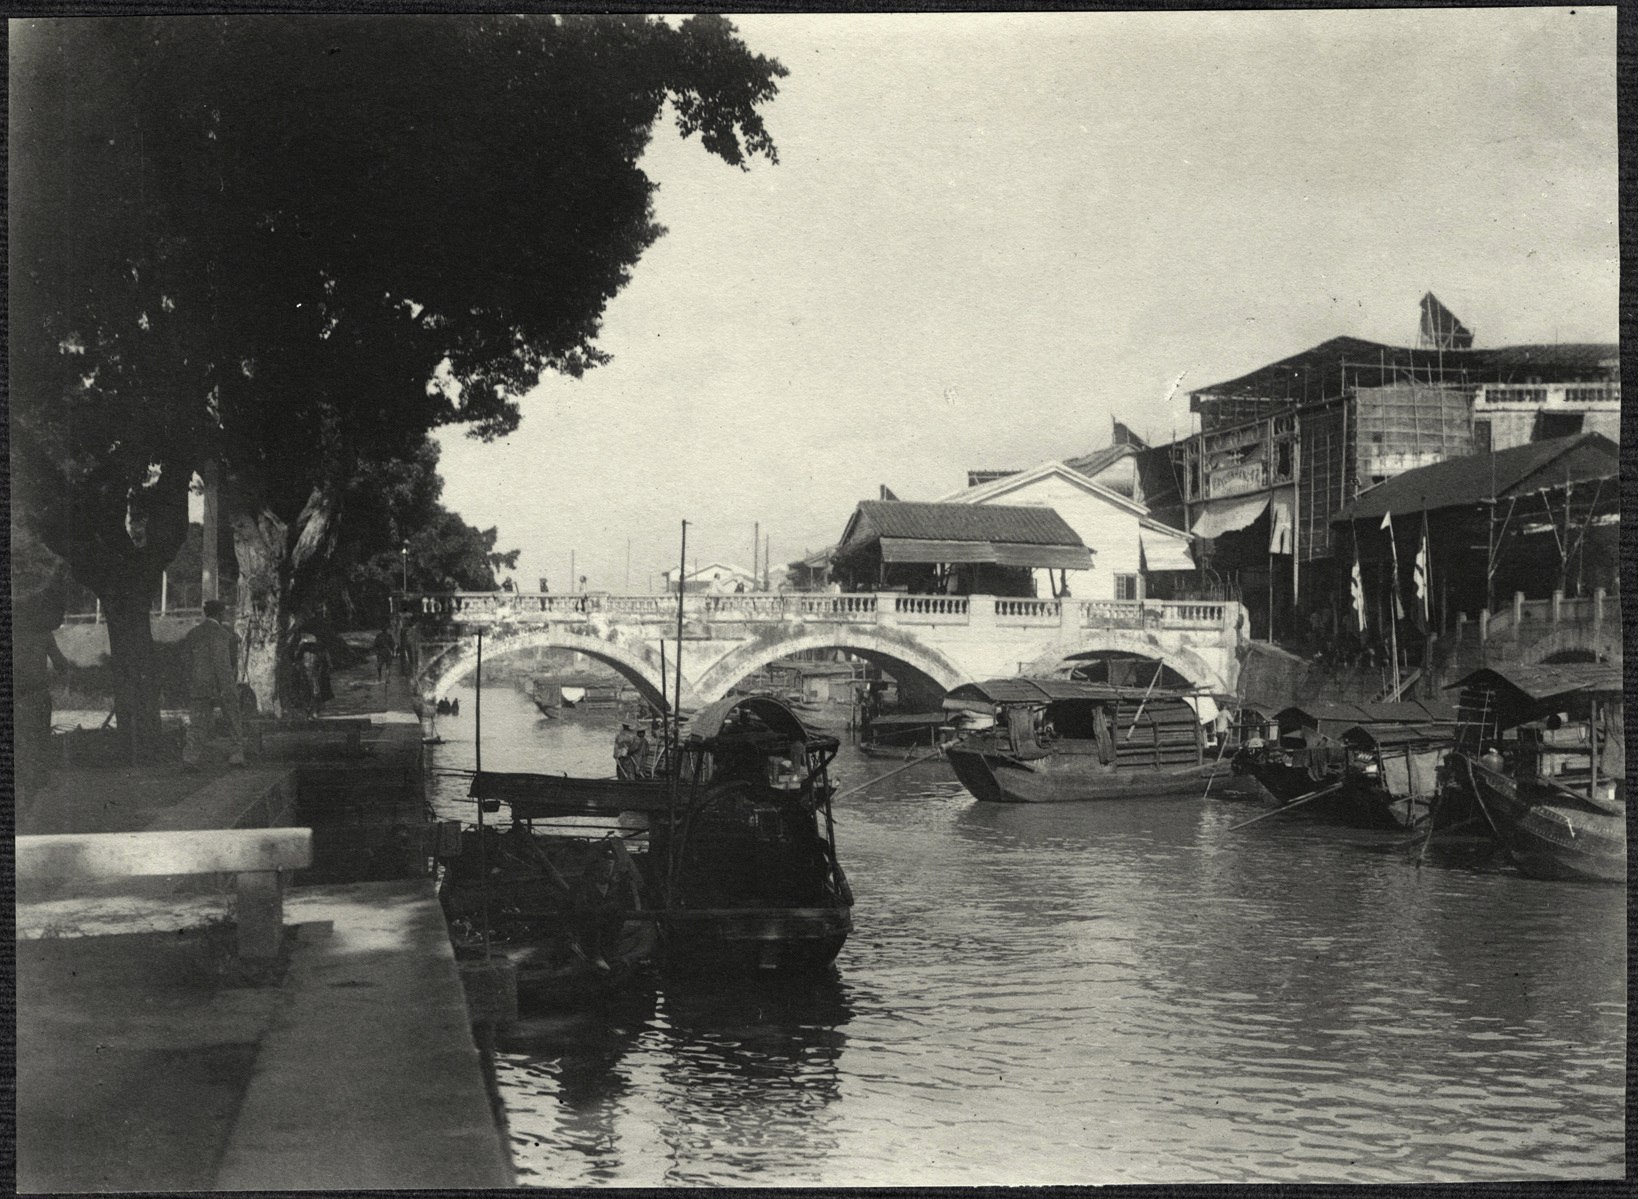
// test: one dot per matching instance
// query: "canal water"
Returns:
(1113, 992)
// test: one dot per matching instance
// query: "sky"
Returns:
(987, 236)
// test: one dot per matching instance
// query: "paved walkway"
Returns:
(149, 1058)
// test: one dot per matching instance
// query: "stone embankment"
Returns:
(154, 1053)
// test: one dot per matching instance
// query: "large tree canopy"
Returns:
(295, 245)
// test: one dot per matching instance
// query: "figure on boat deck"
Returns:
(625, 753)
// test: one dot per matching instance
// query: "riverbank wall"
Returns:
(153, 1054)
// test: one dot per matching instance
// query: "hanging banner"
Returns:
(1393, 579)
(1420, 578)
(1282, 525)
(1357, 588)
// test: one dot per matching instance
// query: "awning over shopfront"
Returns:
(1164, 551)
(1225, 516)
(999, 553)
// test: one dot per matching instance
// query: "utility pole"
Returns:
(756, 548)
(767, 560)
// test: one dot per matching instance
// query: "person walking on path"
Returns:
(211, 650)
(313, 671)
(384, 652)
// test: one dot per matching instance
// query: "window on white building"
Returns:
(1126, 587)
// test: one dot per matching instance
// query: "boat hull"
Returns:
(1546, 839)
(996, 777)
(737, 940)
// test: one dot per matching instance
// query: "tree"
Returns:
(314, 293)
(394, 506)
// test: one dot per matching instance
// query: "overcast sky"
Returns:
(988, 235)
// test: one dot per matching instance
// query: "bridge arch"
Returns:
(896, 651)
(633, 659)
(1192, 666)
(1599, 643)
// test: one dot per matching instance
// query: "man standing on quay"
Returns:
(212, 653)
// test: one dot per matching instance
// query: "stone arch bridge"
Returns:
(928, 643)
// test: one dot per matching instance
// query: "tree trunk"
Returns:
(136, 682)
(278, 574)
(259, 548)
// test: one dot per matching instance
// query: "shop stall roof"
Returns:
(1540, 682)
(1464, 482)
(999, 534)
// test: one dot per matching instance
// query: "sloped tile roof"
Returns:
(1458, 482)
(1014, 524)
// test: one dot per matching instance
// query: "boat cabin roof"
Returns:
(1388, 736)
(1333, 717)
(745, 718)
(909, 720)
(1024, 690)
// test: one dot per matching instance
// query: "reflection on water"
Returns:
(1116, 992)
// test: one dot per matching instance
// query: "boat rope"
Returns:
(1483, 807)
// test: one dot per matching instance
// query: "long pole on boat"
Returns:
(676, 723)
(477, 771)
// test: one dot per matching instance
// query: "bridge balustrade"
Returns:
(854, 608)
(931, 609)
(1027, 611)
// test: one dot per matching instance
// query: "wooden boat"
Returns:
(1304, 751)
(1056, 740)
(905, 734)
(1541, 750)
(566, 911)
(546, 695)
(1393, 777)
(739, 868)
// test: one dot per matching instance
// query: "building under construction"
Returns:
(1282, 450)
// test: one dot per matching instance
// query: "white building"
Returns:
(1130, 547)
(713, 578)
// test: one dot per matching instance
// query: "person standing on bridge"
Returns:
(211, 651)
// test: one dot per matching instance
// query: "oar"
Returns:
(1433, 811)
(888, 775)
(1212, 777)
(1287, 807)
(1410, 841)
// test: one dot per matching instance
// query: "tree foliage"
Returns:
(293, 246)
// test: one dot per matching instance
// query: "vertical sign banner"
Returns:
(1393, 585)
(1419, 578)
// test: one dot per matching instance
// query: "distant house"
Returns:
(1135, 555)
(811, 573)
(714, 578)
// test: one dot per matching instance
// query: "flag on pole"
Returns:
(1357, 588)
(1393, 585)
(1420, 577)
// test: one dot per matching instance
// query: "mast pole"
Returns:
(676, 723)
(477, 770)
